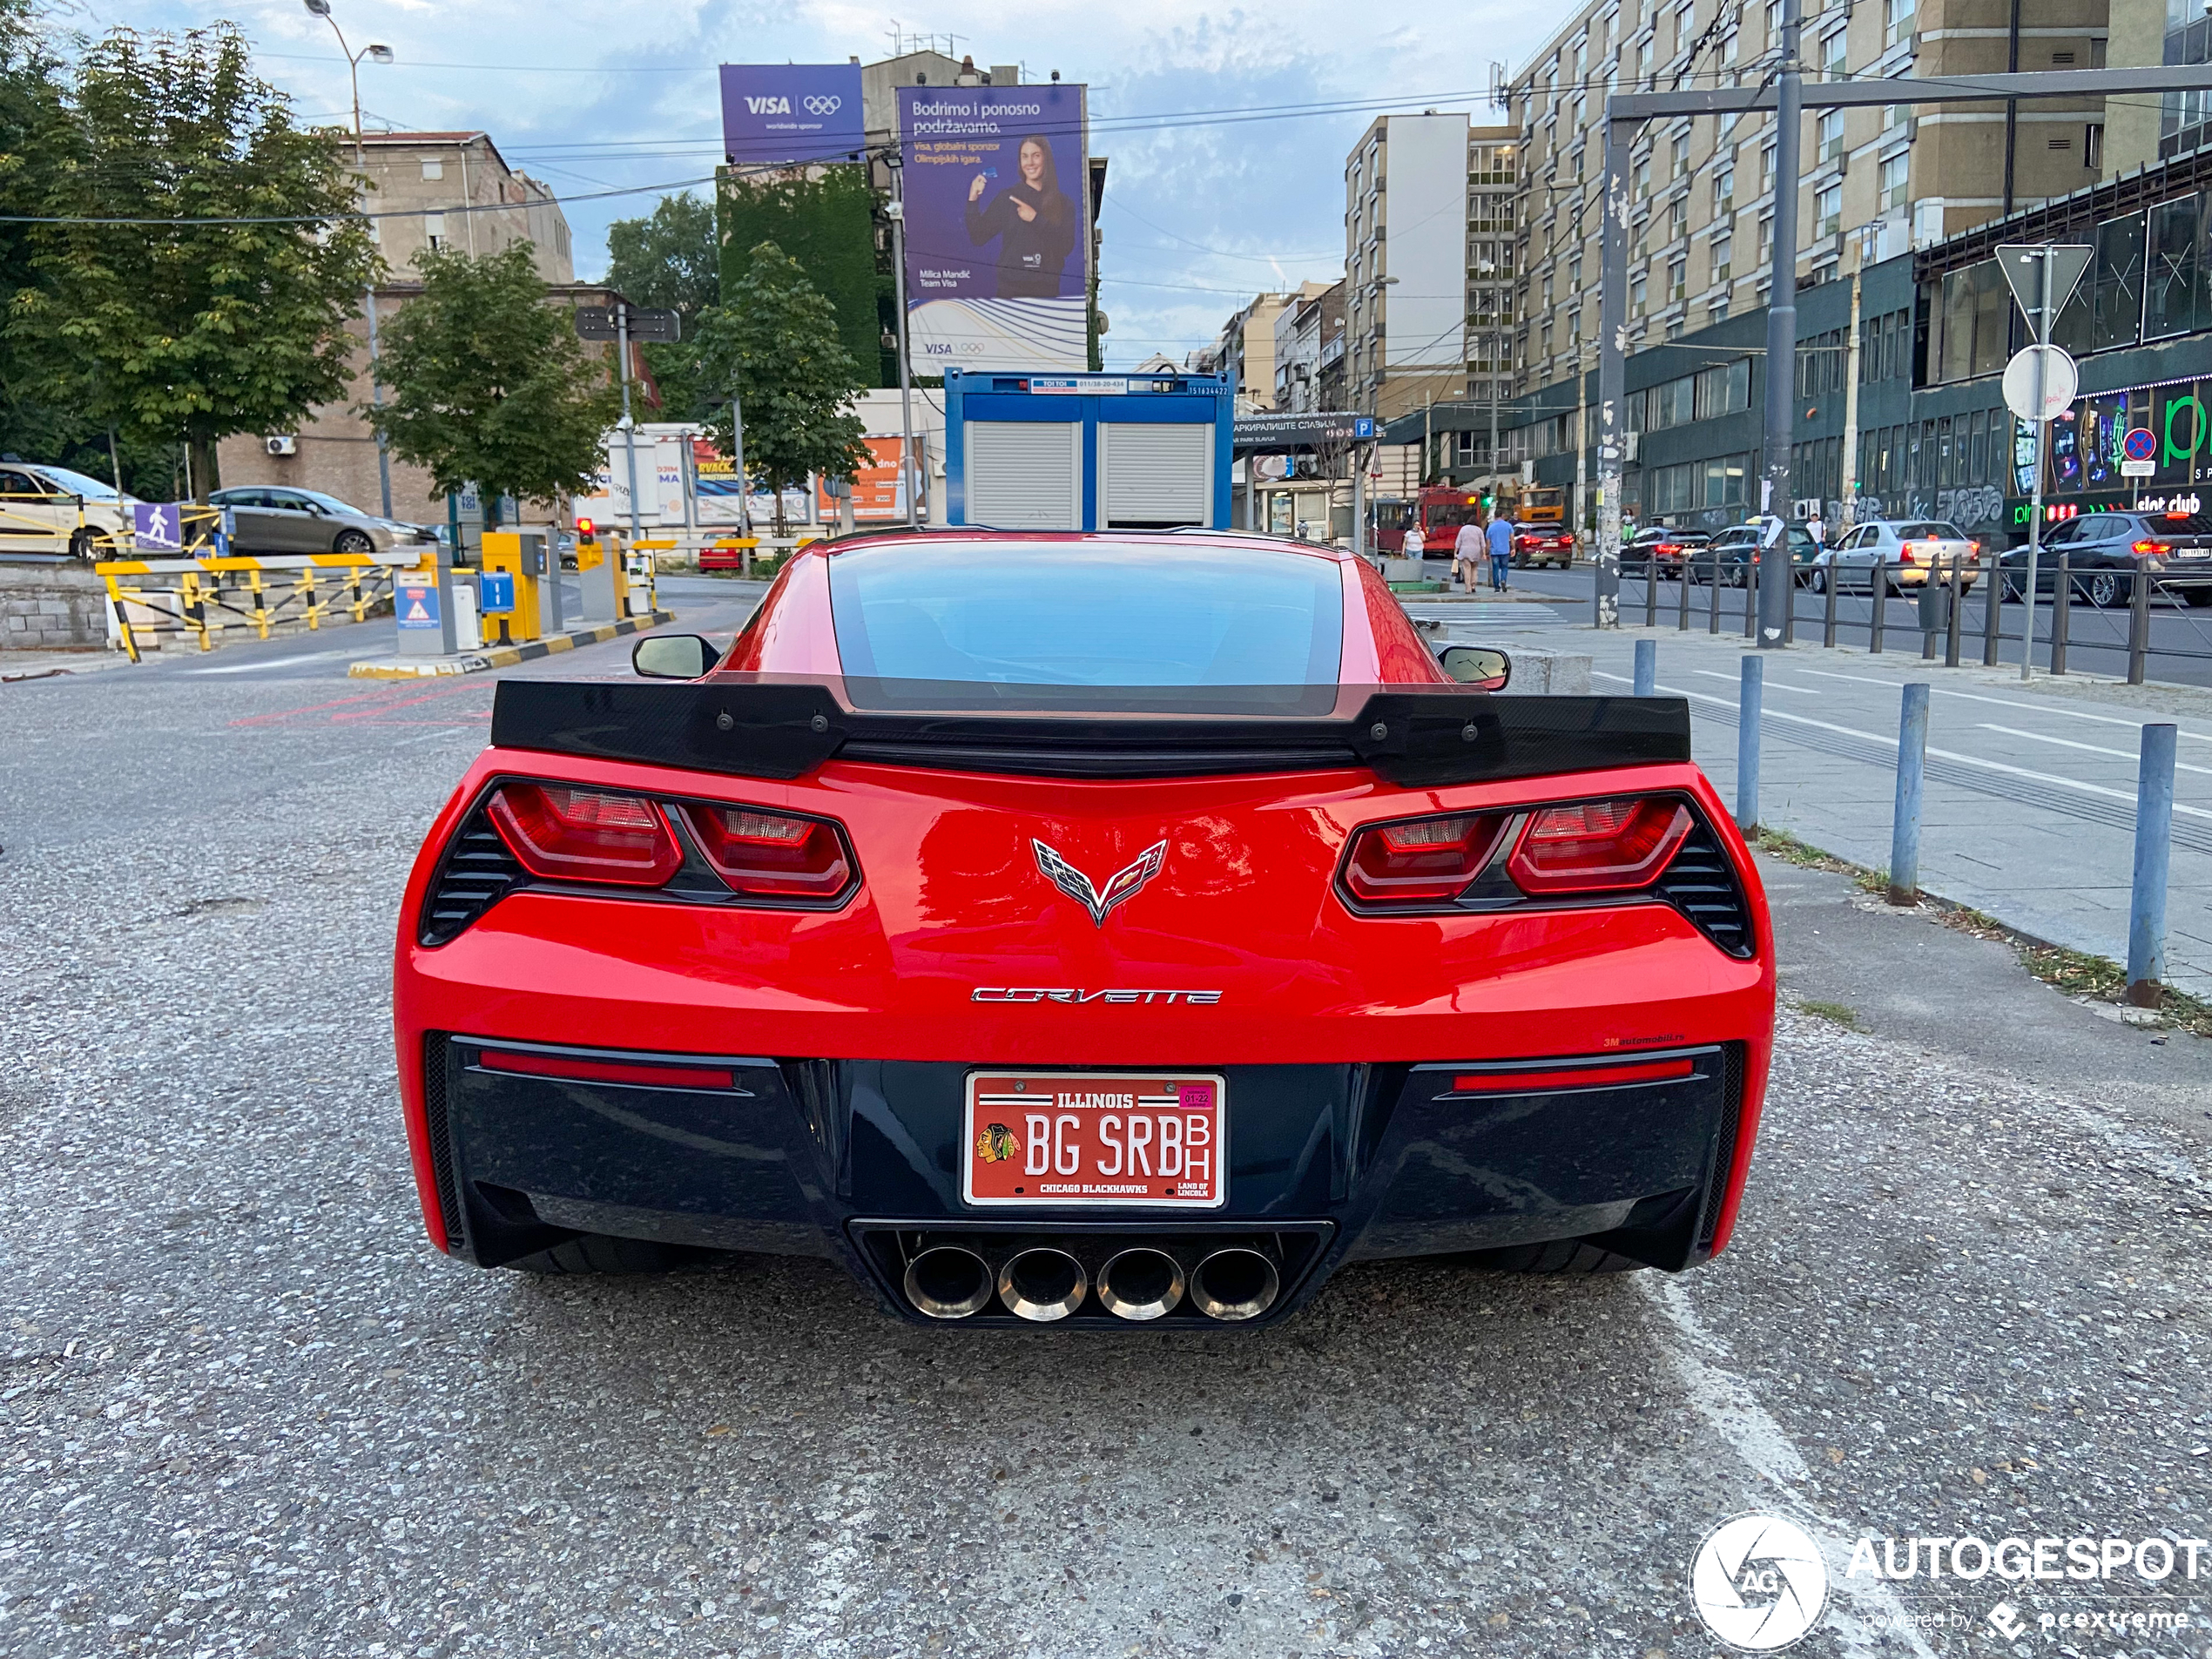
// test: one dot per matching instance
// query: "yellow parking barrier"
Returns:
(206, 597)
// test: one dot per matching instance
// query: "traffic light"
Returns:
(587, 530)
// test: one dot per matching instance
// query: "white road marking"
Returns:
(2004, 702)
(1941, 754)
(1862, 1610)
(277, 662)
(2093, 748)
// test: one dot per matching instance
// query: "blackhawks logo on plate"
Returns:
(996, 1143)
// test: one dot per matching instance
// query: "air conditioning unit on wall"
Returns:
(286, 443)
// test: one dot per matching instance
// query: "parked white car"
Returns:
(1911, 549)
(54, 512)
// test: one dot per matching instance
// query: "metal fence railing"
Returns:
(1946, 606)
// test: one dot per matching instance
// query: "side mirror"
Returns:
(1484, 667)
(674, 657)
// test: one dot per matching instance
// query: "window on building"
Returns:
(1828, 211)
(433, 169)
(1773, 23)
(1716, 312)
(1766, 168)
(1724, 190)
(1834, 55)
(1766, 242)
(2177, 301)
(1643, 179)
(434, 228)
(1678, 159)
(1897, 20)
(2093, 147)
(1636, 296)
(1830, 137)
(1678, 280)
(1723, 254)
(1574, 274)
(1678, 218)
(1643, 60)
(1894, 177)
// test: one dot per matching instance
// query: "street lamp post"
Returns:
(376, 53)
(895, 210)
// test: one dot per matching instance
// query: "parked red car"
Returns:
(1101, 927)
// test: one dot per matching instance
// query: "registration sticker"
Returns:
(1094, 1139)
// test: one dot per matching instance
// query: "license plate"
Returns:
(1094, 1139)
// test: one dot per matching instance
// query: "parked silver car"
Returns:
(1912, 549)
(270, 518)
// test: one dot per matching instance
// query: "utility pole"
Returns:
(737, 462)
(1775, 576)
(378, 53)
(2043, 309)
(1848, 479)
(895, 210)
(629, 426)
(1621, 133)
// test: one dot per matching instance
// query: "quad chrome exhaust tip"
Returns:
(1041, 1283)
(1140, 1283)
(1237, 1282)
(949, 1282)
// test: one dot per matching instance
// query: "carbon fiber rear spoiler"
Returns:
(1413, 737)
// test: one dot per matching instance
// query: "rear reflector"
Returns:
(1598, 846)
(1530, 1082)
(772, 855)
(1422, 861)
(586, 835)
(605, 1071)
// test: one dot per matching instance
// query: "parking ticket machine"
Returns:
(519, 561)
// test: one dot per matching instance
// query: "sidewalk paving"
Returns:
(2029, 810)
(476, 662)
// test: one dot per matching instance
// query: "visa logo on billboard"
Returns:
(767, 106)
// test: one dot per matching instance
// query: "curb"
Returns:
(507, 655)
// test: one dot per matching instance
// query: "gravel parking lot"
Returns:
(247, 1409)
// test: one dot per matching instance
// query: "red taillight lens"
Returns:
(1425, 861)
(605, 1071)
(771, 855)
(1597, 846)
(586, 835)
(2147, 547)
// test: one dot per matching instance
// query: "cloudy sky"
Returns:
(1225, 178)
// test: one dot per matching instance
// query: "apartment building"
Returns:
(429, 190)
(1702, 190)
(1309, 339)
(1430, 226)
(1244, 349)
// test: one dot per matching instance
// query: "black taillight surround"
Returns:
(696, 881)
(1493, 891)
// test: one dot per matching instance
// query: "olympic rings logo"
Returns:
(822, 105)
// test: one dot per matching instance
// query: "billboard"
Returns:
(876, 492)
(774, 114)
(998, 227)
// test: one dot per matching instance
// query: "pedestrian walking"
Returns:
(1500, 536)
(1467, 555)
(1411, 547)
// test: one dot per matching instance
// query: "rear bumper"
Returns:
(860, 1161)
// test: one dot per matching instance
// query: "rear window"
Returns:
(2178, 523)
(1087, 625)
(1929, 529)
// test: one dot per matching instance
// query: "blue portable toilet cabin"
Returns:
(1087, 452)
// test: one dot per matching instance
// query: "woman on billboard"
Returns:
(1034, 221)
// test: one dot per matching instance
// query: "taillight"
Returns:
(772, 855)
(1425, 861)
(2145, 549)
(586, 835)
(1594, 847)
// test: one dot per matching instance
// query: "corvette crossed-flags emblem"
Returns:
(1120, 887)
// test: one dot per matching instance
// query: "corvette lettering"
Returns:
(1040, 994)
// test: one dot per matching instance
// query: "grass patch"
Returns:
(1834, 1013)
(1787, 848)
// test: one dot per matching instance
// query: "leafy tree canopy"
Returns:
(776, 340)
(486, 383)
(193, 329)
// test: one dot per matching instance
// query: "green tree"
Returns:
(486, 383)
(196, 326)
(776, 340)
(670, 258)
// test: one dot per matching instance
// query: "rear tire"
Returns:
(353, 542)
(2106, 590)
(598, 1253)
(84, 546)
(1565, 1258)
(2198, 597)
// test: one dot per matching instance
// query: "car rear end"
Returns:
(2176, 548)
(1551, 544)
(1931, 548)
(1033, 1001)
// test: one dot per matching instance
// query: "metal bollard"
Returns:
(1789, 611)
(1750, 593)
(1681, 595)
(1992, 618)
(2061, 613)
(1827, 606)
(2153, 845)
(2139, 624)
(1646, 667)
(1651, 588)
(1956, 606)
(1713, 599)
(1748, 702)
(1905, 826)
(1877, 585)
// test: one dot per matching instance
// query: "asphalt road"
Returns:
(247, 1410)
(2181, 637)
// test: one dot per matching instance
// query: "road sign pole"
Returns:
(1775, 574)
(628, 427)
(2041, 426)
(897, 212)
